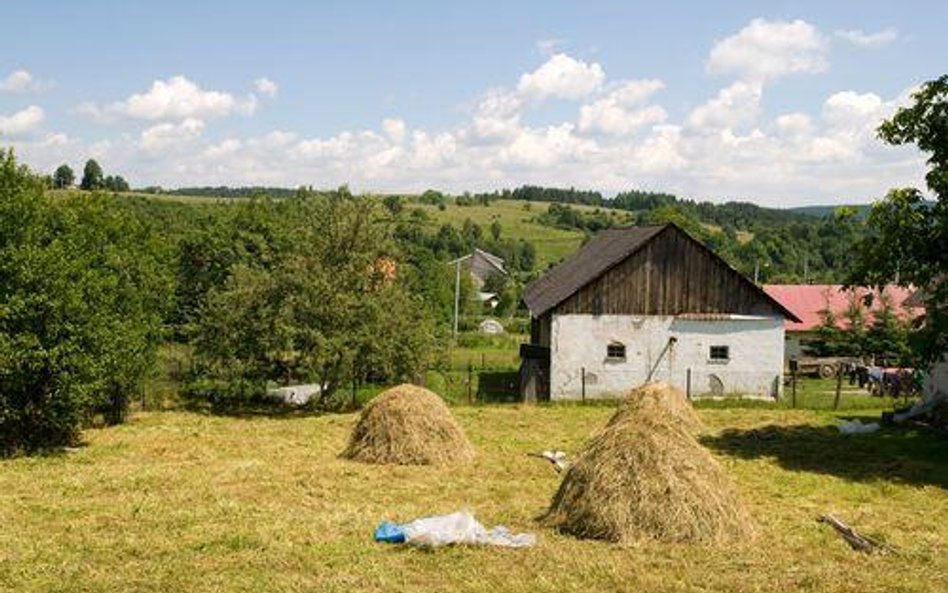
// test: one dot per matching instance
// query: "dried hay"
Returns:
(645, 476)
(662, 399)
(408, 425)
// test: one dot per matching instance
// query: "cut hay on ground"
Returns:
(645, 476)
(408, 425)
(662, 399)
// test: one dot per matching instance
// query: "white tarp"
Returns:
(461, 528)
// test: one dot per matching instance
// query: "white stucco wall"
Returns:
(754, 367)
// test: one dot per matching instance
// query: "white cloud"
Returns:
(177, 98)
(849, 109)
(21, 122)
(498, 114)
(563, 77)
(622, 111)
(171, 136)
(395, 129)
(869, 40)
(548, 47)
(266, 87)
(18, 81)
(734, 105)
(765, 50)
(619, 137)
(794, 124)
(547, 147)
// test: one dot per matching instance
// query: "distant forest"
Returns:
(811, 244)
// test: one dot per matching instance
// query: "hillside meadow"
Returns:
(178, 501)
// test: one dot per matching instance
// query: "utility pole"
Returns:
(457, 294)
(756, 270)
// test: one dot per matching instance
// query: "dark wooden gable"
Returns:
(670, 274)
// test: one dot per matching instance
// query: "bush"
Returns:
(80, 310)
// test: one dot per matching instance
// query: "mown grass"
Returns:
(175, 501)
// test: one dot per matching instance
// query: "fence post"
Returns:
(470, 374)
(583, 375)
(688, 383)
(793, 385)
(355, 399)
(839, 385)
(483, 361)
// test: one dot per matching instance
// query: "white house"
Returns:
(644, 304)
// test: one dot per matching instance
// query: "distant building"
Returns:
(481, 265)
(645, 304)
(811, 302)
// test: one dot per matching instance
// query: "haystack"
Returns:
(408, 425)
(645, 476)
(662, 399)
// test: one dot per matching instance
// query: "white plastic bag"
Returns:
(461, 528)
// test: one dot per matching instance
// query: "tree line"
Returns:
(93, 178)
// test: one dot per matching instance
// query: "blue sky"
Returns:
(771, 103)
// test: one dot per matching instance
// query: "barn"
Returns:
(650, 303)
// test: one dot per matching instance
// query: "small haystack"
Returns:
(408, 425)
(652, 399)
(645, 476)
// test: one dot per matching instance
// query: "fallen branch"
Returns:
(856, 540)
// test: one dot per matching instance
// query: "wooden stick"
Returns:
(856, 540)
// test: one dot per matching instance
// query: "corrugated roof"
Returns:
(811, 301)
(605, 250)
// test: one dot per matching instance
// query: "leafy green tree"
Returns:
(394, 204)
(328, 307)
(495, 229)
(81, 299)
(92, 176)
(889, 336)
(115, 183)
(907, 236)
(63, 177)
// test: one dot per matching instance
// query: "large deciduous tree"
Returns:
(907, 241)
(92, 176)
(63, 177)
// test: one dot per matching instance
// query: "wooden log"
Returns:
(856, 540)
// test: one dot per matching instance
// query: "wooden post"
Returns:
(839, 385)
(793, 385)
(582, 373)
(483, 363)
(688, 383)
(470, 375)
(355, 399)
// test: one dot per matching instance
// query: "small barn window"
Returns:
(720, 353)
(615, 351)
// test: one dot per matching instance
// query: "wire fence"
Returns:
(581, 383)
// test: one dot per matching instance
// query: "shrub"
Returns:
(80, 310)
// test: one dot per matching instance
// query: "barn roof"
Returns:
(811, 301)
(602, 253)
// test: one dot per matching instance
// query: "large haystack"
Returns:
(662, 399)
(645, 476)
(408, 425)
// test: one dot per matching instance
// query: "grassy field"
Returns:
(175, 501)
(516, 220)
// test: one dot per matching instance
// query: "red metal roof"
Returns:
(810, 301)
